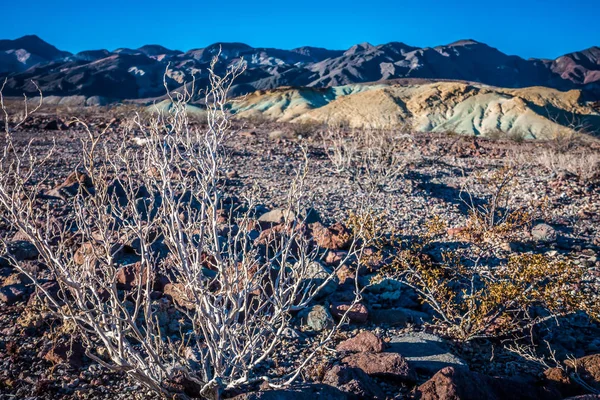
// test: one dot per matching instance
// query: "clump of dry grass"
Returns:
(584, 164)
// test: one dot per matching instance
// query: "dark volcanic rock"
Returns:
(11, 294)
(353, 381)
(297, 392)
(460, 384)
(425, 352)
(385, 365)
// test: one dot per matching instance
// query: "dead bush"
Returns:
(373, 159)
(156, 210)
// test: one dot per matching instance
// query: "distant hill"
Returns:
(20, 54)
(449, 106)
(138, 73)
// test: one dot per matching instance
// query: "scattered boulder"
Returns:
(296, 392)
(177, 293)
(18, 250)
(384, 365)
(453, 383)
(317, 318)
(588, 369)
(358, 312)
(317, 274)
(544, 233)
(75, 182)
(336, 237)
(365, 341)
(278, 216)
(66, 351)
(397, 316)
(353, 381)
(11, 294)
(425, 352)
(55, 125)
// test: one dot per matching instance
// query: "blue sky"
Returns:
(527, 28)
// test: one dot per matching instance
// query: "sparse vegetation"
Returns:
(212, 257)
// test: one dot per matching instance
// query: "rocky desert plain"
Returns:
(386, 222)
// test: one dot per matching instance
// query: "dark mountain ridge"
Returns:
(138, 73)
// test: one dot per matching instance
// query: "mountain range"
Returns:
(137, 74)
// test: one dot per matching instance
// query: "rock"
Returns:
(177, 293)
(544, 233)
(11, 294)
(335, 257)
(130, 276)
(66, 351)
(588, 369)
(278, 216)
(75, 182)
(317, 274)
(54, 125)
(336, 237)
(365, 341)
(452, 383)
(317, 318)
(22, 250)
(296, 392)
(353, 381)
(345, 275)
(384, 365)
(425, 352)
(358, 313)
(397, 316)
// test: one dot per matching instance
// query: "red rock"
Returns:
(336, 237)
(363, 342)
(385, 365)
(461, 384)
(66, 351)
(177, 293)
(588, 369)
(345, 275)
(358, 312)
(354, 382)
(132, 275)
(334, 257)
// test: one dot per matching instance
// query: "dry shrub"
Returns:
(161, 204)
(471, 301)
(373, 159)
(306, 129)
(497, 218)
(583, 164)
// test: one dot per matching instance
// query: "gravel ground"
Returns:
(440, 165)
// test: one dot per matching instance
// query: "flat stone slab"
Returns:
(397, 316)
(425, 352)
